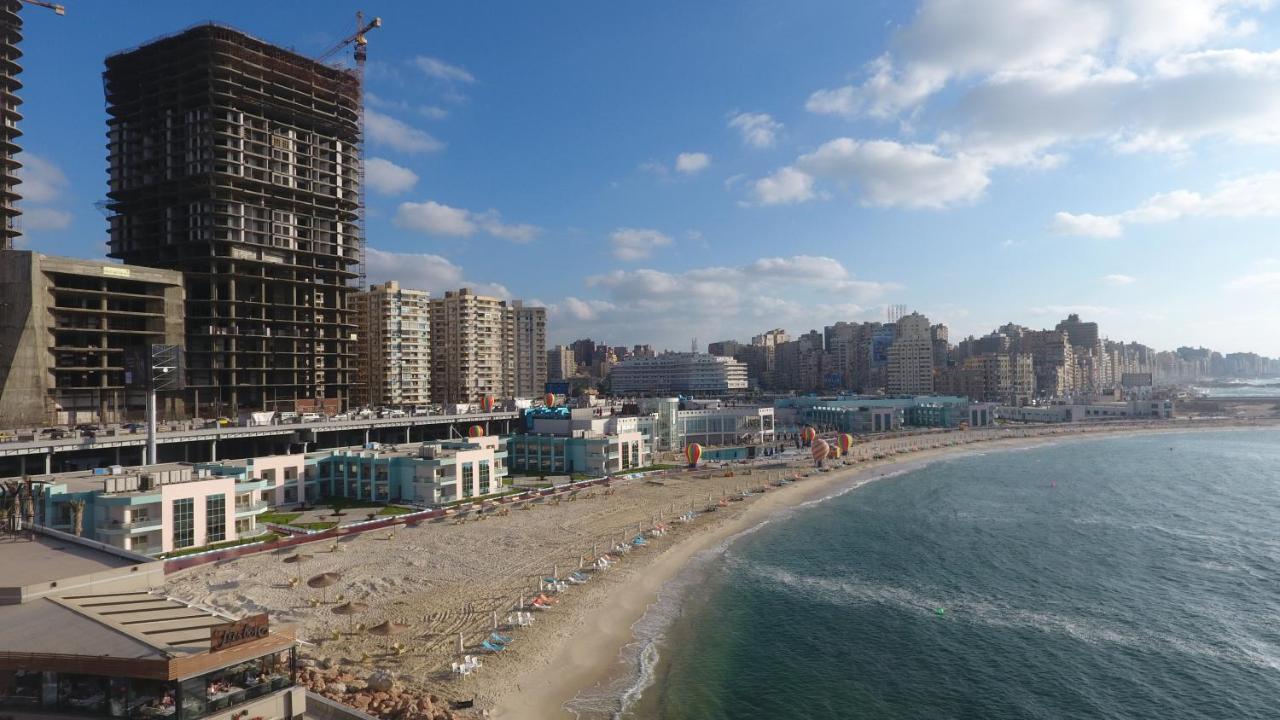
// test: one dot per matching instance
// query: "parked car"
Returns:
(54, 433)
(394, 413)
(219, 422)
(341, 416)
(87, 428)
(288, 417)
(311, 417)
(133, 427)
(6, 436)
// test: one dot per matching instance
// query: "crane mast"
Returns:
(359, 44)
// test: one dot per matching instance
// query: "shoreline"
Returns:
(589, 656)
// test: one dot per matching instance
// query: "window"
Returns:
(484, 478)
(184, 523)
(215, 518)
(468, 472)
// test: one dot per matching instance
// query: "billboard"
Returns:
(154, 367)
(558, 387)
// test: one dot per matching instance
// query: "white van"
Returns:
(311, 417)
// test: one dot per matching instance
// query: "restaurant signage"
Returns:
(230, 634)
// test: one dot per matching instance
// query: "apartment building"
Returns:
(393, 349)
(678, 373)
(531, 369)
(473, 347)
(910, 357)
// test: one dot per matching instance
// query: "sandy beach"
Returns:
(440, 579)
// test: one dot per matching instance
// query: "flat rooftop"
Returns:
(47, 559)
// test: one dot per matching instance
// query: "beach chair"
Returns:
(500, 639)
(491, 647)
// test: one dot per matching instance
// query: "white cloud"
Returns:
(42, 218)
(692, 162)
(759, 130)
(1252, 196)
(42, 180)
(422, 271)
(1086, 225)
(1265, 281)
(388, 178)
(636, 243)
(724, 301)
(435, 218)
(948, 40)
(784, 187)
(441, 70)
(386, 130)
(434, 112)
(1118, 280)
(885, 173)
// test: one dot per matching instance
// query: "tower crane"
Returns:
(52, 6)
(359, 44)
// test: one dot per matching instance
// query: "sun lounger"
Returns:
(500, 639)
(492, 647)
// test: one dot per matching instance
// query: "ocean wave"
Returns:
(854, 591)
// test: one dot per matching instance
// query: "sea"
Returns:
(1121, 577)
(1244, 387)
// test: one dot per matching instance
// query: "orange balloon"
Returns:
(692, 453)
(819, 450)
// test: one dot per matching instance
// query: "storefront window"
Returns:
(152, 699)
(82, 693)
(20, 688)
(228, 687)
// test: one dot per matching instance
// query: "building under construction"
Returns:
(10, 36)
(238, 163)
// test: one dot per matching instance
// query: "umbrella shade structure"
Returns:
(388, 629)
(351, 609)
(297, 558)
(323, 582)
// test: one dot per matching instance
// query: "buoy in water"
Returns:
(941, 611)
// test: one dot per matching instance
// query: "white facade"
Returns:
(531, 350)
(683, 373)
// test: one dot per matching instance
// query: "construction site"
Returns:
(238, 163)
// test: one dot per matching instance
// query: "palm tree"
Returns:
(77, 516)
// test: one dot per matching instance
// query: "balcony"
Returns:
(130, 528)
(250, 508)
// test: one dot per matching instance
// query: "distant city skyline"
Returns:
(1096, 162)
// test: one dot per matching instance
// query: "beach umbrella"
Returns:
(351, 609)
(388, 629)
(323, 582)
(297, 558)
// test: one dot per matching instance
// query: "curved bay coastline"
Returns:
(600, 664)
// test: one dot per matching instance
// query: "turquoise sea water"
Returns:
(1133, 577)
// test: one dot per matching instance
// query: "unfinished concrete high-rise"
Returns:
(238, 163)
(10, 36)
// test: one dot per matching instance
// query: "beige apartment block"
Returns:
(393, 352)
(473, 347)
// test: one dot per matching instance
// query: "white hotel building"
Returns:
(678, 373)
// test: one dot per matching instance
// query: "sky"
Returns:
(663, 171)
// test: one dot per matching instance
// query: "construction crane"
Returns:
(52, 6)
(360, 44)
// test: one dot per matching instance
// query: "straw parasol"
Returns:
(323, 582)
(297, 558)
(388, 629)
(351, 609)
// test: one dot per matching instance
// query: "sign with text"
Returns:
(254, 627)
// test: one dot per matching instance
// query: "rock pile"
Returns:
(379, 694)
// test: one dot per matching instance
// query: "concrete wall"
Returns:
(24, 376)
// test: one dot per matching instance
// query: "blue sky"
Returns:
(654, 172)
